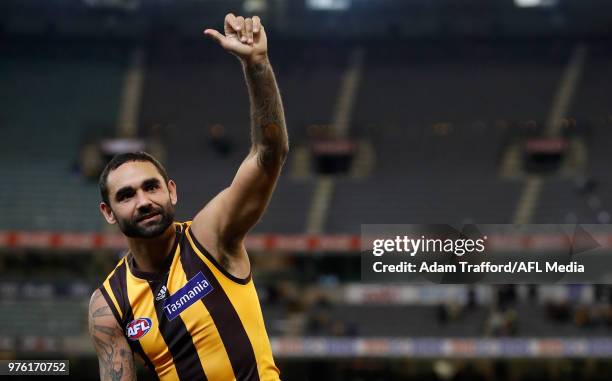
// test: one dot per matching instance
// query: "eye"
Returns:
(124, 196)
(151, 187)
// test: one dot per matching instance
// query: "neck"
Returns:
(150, 253)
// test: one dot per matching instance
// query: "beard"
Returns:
(137, 227)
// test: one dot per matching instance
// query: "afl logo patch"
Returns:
(138, 328)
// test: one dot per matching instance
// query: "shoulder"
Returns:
(232, 262)
(101, 318)
(96, 302)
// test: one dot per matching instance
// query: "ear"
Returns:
(108, 214)
(172, 190)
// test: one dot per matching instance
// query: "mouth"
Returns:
(149, 217)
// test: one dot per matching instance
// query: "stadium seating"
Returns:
(43, 318)
(585, 197)
(53, 97)
(443, 174)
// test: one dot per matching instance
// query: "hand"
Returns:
(244, 37)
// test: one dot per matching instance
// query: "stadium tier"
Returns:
(409, 110)
(54, 97)
(585, 196)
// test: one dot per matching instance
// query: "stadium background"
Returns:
(399, 111)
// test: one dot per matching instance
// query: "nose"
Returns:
(142, 201)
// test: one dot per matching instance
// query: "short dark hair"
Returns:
(121, 159)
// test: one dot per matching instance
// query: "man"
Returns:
(183, 298)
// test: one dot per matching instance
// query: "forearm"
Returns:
(268, 129)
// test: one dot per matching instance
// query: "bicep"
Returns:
(114, 353)
(234, 211)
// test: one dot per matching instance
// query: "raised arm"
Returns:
(224, 222)
(114, 354)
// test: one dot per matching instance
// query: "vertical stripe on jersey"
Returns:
(177, 338)
(111, 301)
(141, 306)
(118, 286)
(137, 347)
(225, 317)
(211, 351)
(118, 289)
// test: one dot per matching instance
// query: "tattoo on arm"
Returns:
(268, 129)
(115, 357)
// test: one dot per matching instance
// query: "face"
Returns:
(141, 203)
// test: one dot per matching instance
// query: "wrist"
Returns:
(255, 60)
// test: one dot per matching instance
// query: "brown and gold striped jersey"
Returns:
(195, 321)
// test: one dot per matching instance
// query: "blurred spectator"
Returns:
(506, 295)
(441, 314)
(449, 312)
(582, 316)
(495, 323)
(501, 322)
(558, 311)
(471, 304)
(319, 323)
